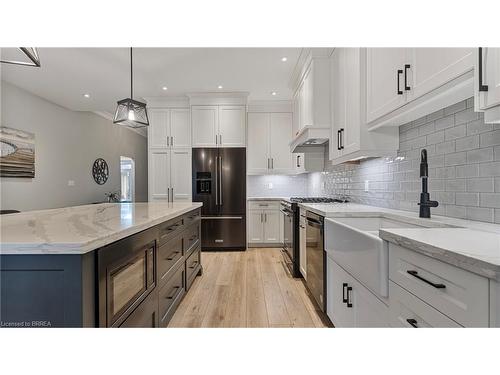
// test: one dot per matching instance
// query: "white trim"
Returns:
(218, 98)
(269, 106)
(167, 101)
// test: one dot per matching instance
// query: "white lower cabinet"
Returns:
(264, 223)
(406, 310)
(349, 303)
(169, 174)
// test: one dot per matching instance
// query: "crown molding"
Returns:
(167, 101)
(270, 106)
(218, 98)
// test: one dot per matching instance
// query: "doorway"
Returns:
(127, 172)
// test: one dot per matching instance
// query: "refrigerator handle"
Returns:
(220, 180)
(216, 179)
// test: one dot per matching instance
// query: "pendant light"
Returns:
(130, 112)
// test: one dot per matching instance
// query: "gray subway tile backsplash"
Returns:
(464, 168)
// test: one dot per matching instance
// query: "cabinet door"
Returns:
(382, 65)
(180, 127)
(368, 310)
(307, 97)
(159, 175)
(491, 78)
(272, 226)
(258, 143)
(280, 136)
(181, 174)
(255, 226)
(351, 136)
(158, 129)
(431, 68)
(232, 129)
(205, 123)
(338, 102)
(336, 288)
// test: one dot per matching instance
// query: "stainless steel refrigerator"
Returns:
(219, 182)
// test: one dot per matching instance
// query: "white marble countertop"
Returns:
(468, 244)
(80, 229)
(268, 198)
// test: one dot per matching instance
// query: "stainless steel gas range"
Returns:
(290, 217)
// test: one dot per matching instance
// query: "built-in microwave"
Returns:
(126, 271)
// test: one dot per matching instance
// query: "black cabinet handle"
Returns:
(194, 264)
(342, 138)
(412, 322)
(338, 140)
(482, 87)
(399, 74)
(298, 161)
(173, 256)
(407, 66)
(344, 298)
(349, 289)
(415, 274)
(174, 290)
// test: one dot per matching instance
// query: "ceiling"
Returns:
(67, 74)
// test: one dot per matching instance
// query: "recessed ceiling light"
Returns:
(273, 93)
(219, 87)
(284, 59)
(86, 95)
(164, 88)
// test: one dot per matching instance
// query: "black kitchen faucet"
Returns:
(425, 202)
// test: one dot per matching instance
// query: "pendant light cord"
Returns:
(131, 77)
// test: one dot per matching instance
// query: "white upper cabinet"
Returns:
(280, 132)
(268, 143)
(218, 126)
(169, 128)
(384, 81)
(404, 84)
(487, 83)
(429, 68)
(258, 143)
(232, 127)
(180, 127)
(205, 124)
(350, 138)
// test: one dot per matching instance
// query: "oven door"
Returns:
(126, 276)
(287, 234)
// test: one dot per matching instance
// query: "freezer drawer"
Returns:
(223, 232)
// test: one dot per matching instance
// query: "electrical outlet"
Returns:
(71, 183)
(367, 185)
(270, 185)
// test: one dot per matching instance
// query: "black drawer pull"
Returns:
(173, 256)
(407, 66)
(193, 237)
(400, 71)
(415, 274)
(412, 322)
(349, 289)
(194, 264)
(171, 296)
(482, 87)
(344, 298)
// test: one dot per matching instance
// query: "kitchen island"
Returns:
(104, 265)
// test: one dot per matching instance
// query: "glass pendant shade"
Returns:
(130, 112)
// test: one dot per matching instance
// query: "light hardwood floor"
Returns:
(247, 289)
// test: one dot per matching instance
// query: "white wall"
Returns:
(66, 145)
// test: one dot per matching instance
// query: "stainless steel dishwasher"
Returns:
(315, 255)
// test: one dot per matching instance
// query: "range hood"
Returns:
(310, 139)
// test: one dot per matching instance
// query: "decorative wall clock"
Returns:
(100, 171)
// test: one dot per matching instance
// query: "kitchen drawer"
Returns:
(191, 238)
(405, 307)
(170, 254)
(170, 295)
(193, 265)
(263, 205)
(145, 315)
(170, 229)
(192, 217)
(459, 294)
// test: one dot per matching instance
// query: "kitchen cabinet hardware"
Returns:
(349, 290)
(482, 87)
(168, 141)
(265, 217)
(407, 66)
(220, 139)
(172, 140)
(400, 71)
(263, 204)
(341, 138)
(338, 140)
(412, 322)
(298, 161)
(415, 274)
(194, 264)
(344, 298)
(174, 292)
(173, 255)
